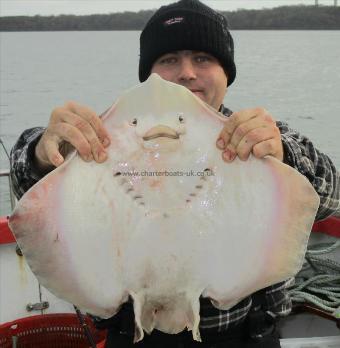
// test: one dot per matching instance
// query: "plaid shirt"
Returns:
(300, 154)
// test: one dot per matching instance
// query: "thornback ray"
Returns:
(164, 220)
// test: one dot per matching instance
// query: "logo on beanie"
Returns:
(172, 21)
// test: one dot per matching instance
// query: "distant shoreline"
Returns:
(123, 30)
(280, 18)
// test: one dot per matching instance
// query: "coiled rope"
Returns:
(318, 282)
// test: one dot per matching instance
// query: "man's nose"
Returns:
(186, 71)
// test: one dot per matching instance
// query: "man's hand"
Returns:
(72, 126)
(250, 131)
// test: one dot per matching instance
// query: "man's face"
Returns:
(198, 71)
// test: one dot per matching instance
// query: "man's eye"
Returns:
(202, 59)
(168, 60)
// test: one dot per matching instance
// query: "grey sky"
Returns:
(82, 7)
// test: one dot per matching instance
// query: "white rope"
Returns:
(323, 248)
(318, 282)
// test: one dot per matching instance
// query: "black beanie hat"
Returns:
(186, 25)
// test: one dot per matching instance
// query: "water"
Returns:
(293, 74)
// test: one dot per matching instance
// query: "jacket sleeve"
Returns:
(24, 174)
(300, 153)
(277, 299)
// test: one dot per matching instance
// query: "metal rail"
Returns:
(4, 173)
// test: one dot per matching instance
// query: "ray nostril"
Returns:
(117, 174)
(137, 197)
(199, 186)
(181, 118)
(192, 194)
(130, 189)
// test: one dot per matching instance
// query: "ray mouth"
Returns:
(161, 135)
(161, 131)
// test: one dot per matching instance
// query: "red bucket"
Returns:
(49, 331)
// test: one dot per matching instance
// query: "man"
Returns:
(188, 43)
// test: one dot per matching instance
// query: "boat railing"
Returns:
(7, 173)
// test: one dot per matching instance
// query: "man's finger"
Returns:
(85, 128)
(268, 147)
(52, 152)
(250, 139)
(224, 137)
(72, 135)
(92, 118)
(233, 122)
(244, 130)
